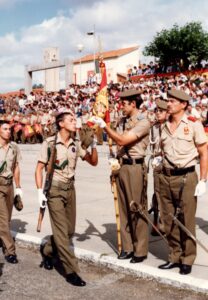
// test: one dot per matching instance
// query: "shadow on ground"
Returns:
(109, 236)
(18, 226)
(203, 224)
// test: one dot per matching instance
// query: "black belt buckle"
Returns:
(126, 161)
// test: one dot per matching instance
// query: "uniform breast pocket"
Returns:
(184, 143)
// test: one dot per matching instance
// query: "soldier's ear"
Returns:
(133, 103)
(61, 124)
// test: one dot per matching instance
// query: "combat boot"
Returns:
(47, 261)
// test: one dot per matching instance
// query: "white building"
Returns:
(52, 76)
(117, 62)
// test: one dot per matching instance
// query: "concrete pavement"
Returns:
(95, 237)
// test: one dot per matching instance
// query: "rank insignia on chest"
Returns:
(186, 130)
(73, 149)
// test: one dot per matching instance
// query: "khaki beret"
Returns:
(162, 104)
(129, 94)
(179, 95)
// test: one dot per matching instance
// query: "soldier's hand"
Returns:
(42, 198)
(94, 143)
(200, 188)
(19, 192)
(156, 161)
(97, 120)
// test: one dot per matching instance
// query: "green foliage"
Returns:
(37, 86)
(180, 45)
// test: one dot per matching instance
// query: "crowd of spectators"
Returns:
(156, 68)
(39, 106)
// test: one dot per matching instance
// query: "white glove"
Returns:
(114, 164)
(18, 191)
(200, 188)
(42, 198)
(156, 161)
(94, 143)
(99, 121)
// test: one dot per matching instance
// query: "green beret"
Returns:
(179, 95)
(162, 104)
(129, 94)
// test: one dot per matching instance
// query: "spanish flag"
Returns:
(101, 106)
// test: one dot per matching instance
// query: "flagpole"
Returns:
(94, 46)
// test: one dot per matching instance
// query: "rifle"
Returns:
(48, 181)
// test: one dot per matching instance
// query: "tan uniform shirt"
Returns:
(180, 147)
(8, 159)
(141, 128)
(66, 158)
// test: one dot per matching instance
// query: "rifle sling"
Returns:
(50, 168)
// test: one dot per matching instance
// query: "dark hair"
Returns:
(2, 122)
(60, 118)
(187, 104)
(139, 101)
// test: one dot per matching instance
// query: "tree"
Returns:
(38, 86)
(180, 45)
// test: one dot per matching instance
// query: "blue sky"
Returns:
(29, 26)
(22, 13)
(26, 13)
